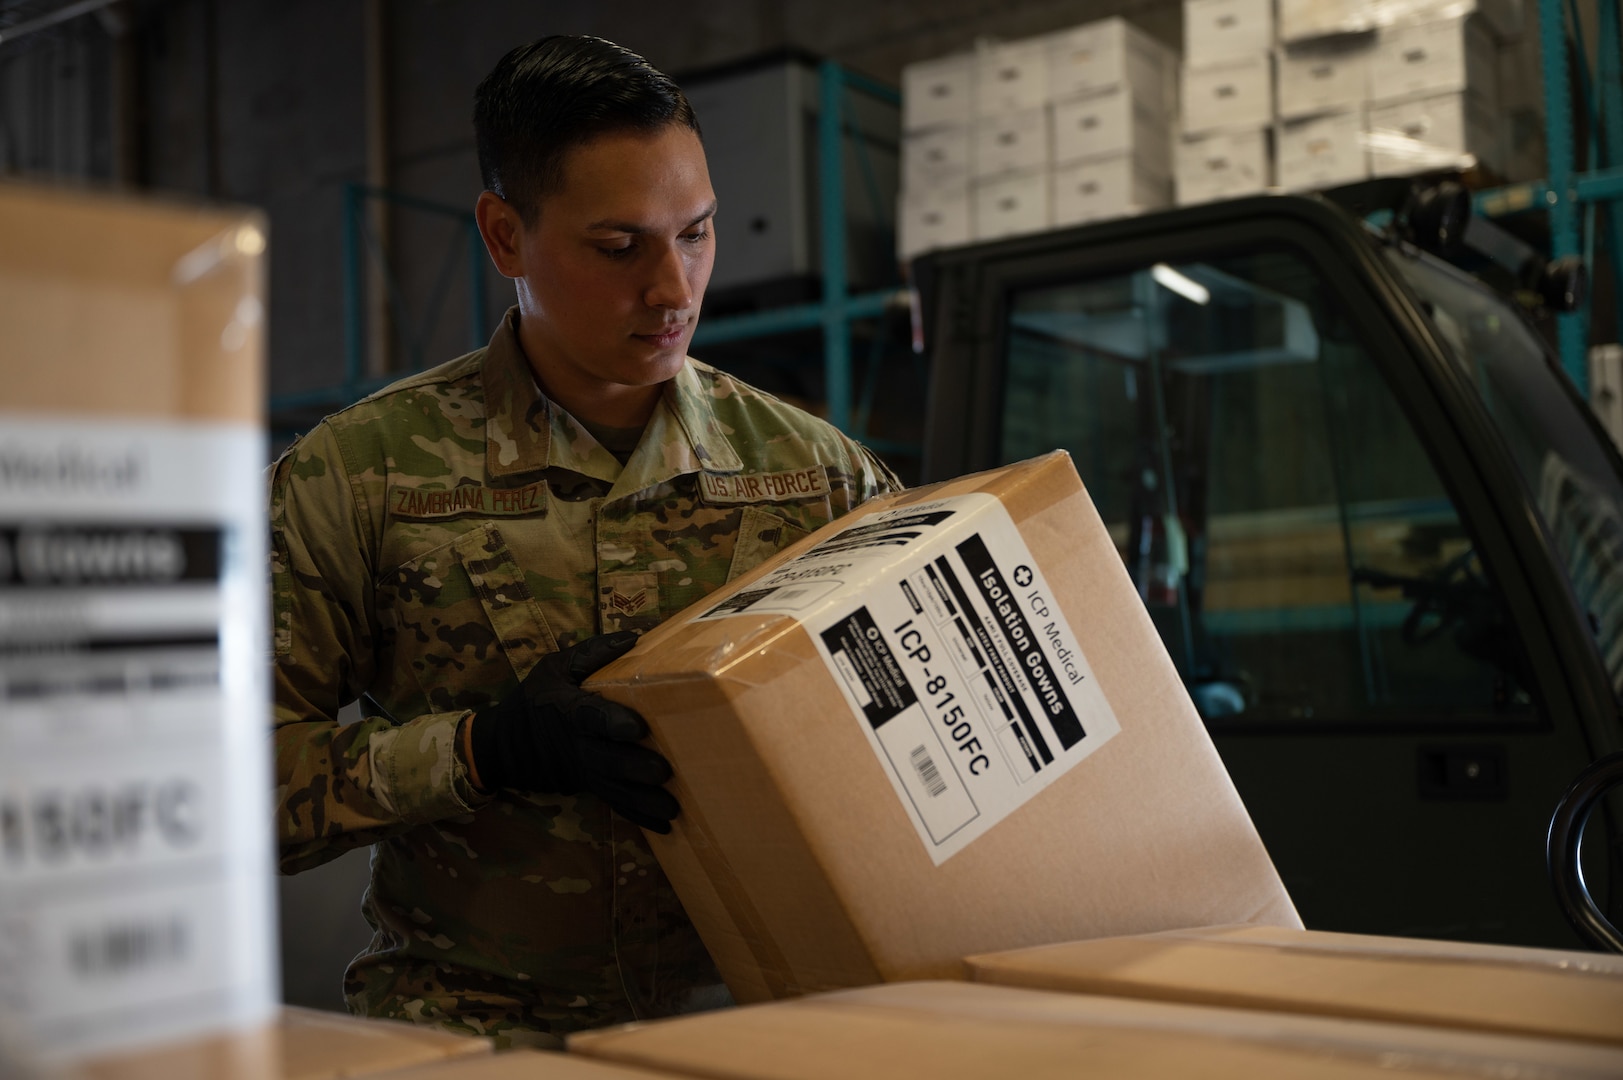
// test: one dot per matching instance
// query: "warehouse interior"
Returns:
(1319, 297)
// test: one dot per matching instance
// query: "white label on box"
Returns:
(952, 652)
(135, 866)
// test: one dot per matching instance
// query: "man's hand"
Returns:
(552, 736)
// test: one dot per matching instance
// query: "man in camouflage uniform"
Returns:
(435, 543)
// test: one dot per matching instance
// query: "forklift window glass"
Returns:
(1273, 506)
(1561, 457)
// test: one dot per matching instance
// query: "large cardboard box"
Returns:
(137, 889)
(1500, 988)
(961, 1031)
(303, 1044)
(942, 725)
(1108, 188)
(1011, 205)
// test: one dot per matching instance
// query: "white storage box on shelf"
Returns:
(932, 218)
(938, 93)
(1439, 132)
(938, 158)
(1324, 76)
(1219, 30)
(1434, 58)
(1323, 151)
(1220, 165)
(1012, 142)
(1109, 124)
(1011, 76)
(1234, 94)
(1108, 188)
(1112, 55)
(1011, 205)
(1301, 20)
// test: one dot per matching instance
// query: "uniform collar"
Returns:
(526, 433)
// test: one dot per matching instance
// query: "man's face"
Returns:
(615, 266)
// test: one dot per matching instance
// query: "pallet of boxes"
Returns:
(1324, 93)
(1022, 136)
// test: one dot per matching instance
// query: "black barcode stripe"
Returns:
(925, 767)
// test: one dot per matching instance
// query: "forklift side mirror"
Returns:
(1561, 848)
(1436, 216)
(1563, 284)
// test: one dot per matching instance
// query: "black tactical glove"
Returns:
(552, 736)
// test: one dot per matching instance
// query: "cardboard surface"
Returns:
(949, 1031)
(522, 1065)
(165, 320)
(304, 1044)
(1498, 988)
(803, 867)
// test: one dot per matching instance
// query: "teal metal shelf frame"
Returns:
(834, 314)
(1577, 201)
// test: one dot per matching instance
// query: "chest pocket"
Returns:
(466, 623)
(761, 535)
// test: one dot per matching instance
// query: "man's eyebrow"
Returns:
(609, 225)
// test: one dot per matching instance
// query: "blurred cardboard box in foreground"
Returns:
(942, 725)
(964, 1031)
(136, 884)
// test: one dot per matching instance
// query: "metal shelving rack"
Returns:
(1576, 201)
(834, 314)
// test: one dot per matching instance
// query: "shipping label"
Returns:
(953, 654)
(135, 871)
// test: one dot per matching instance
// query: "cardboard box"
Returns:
(1496, 988)
(1301, 20)
(1323, 152)
(1218, 30)
(303, 1044)
(1109, 124)
(1112, 55)
(1220, 165)
(1011, 205)
(962, 1031)
(1324, 77)
(938, 93)
(1011, 142)
(1235, 94)
(1011, 77)
(933, 218)
(137, 890)
(933, 159)
(941, 725)
(1443, 132)
(1108, 188)
(1452, 56)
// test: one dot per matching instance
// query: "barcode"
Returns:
(124, 947)
(925, 767)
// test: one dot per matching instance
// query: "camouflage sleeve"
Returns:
(345, 786)
(876, 478)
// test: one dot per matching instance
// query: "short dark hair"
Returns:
(544, 99)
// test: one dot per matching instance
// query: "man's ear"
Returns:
(500, 225)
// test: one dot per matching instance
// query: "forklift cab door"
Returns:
(1381, 538)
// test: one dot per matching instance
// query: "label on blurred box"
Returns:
(135, 872)
(948, 644)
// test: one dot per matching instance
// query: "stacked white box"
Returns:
(1109, 124)
(1112, 55)
(1219, 30)
(1322, 151)
(1325, 76)
(1433, 58)
(1301, 20)
(1011, 205)
(1441, 131)
(1010, 142)
(1107, 188)
(1221, 165)
(1232, 94)
(938, 93)
(1011, 77)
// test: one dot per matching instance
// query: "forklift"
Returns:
(1379, 531)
